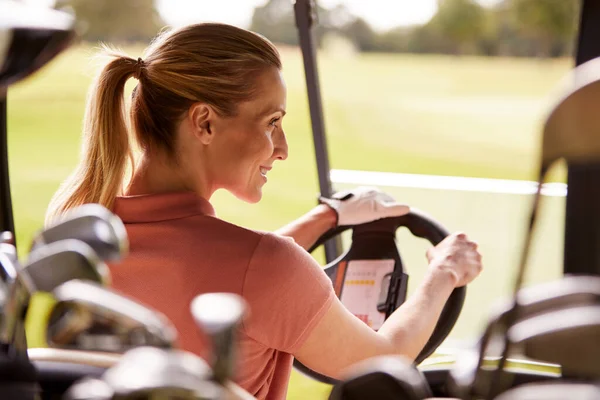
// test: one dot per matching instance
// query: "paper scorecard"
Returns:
(367, 281)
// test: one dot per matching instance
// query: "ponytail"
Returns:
(98, 178)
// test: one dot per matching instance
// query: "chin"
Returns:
(248, 196)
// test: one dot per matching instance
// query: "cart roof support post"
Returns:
(305, 12)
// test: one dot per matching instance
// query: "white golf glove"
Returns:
(364, 204)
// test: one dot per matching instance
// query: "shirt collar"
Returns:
(161, 207)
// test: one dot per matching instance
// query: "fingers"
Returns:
(430, 254)
(461, 236)
(394, 209)
(459, 254)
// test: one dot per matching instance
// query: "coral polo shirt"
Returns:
(180, 249)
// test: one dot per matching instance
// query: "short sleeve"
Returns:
(288, 293)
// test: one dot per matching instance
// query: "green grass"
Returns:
(401, 113)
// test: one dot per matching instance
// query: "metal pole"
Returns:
(306, 14)
(582, 221)
(6, 212)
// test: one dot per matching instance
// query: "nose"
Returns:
(281, 147)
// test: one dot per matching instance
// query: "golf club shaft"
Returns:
(224, 354)
(512, 314)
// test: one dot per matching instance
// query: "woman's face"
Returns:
(246, 146)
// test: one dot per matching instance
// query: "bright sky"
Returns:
(380, 14)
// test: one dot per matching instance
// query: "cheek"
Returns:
(244, 152)
(260, 148)
(268, 146)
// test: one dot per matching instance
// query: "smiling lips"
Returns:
(264, 170)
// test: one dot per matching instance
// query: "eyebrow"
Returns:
(270, 110)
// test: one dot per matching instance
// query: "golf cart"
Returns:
(527, 324)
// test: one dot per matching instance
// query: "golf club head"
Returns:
(146, 371)
(8, 265)
(9, 250)
(9, 276)
(7, 237)
(93, 224)
(572, 128)
(46, 268)
(218, 315)
(16, 292)
(9, 269)
(56, 263)
(468, 378)
(30, 36)
(567, 337)
(89, 389)
(88, 316)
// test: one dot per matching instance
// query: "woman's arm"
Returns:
(308, 228)
(352, 207)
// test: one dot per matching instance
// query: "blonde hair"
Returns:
(212, 63)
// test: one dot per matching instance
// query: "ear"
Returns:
(201, 117)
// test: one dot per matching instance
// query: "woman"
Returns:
(207, 114)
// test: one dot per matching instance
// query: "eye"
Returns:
(274, 121)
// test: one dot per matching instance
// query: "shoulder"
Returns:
(288, 293)
(279, 261)
(278, 244)
(276, 249)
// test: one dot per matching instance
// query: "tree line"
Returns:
(525, 28)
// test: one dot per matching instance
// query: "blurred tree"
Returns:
(395, 40)
(462, 22)
(361, 34)
(275, 20)
(428, 39)
(116, 20)
(523, 28)
(550, 23)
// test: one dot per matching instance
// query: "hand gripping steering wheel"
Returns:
(370, 279)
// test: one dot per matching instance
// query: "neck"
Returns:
(158, 174)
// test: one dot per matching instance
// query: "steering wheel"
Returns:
(370, 280)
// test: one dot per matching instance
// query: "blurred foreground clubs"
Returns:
(219, 315)
(93, 224)
(47, 268)
(552, 326)
(88, 316)
(151, 373)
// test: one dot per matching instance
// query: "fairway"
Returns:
(440, 115)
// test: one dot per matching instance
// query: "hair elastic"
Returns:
(138, 68)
